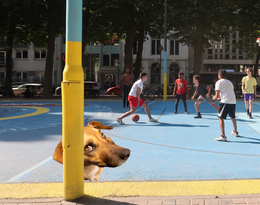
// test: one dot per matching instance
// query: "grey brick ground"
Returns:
(253, 199)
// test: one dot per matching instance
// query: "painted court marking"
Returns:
(39, 111)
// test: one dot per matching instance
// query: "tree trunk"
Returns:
(9, 68)
(138, 62)
(128, 52)
(129, 48)
(47, 91)
(256, 63)
(198, 49)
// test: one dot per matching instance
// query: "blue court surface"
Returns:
(177, 147)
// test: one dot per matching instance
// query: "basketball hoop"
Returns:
(258, 41)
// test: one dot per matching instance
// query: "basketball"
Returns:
(135, 117)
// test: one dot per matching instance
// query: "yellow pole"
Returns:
(73, 104)
(165, 86)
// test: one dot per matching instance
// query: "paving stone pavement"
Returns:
(253, 199)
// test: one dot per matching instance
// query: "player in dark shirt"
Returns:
(204, 92)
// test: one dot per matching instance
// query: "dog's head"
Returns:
(99, 151)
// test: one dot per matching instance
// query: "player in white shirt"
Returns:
(135, 100)
(224, 90)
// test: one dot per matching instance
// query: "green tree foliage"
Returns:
(199, 21)
(248, 24)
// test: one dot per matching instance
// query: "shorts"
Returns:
(133, 101)
(201, 99)
(225, 109)
(248, 96)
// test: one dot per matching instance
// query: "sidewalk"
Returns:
(182, 200)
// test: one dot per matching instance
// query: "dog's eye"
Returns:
(103, 135)
(88, 148)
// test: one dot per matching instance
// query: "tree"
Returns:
(249, 29)
(37, 21)
(47, 23)
(199, 21)
(14, 19)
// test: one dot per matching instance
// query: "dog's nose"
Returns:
(124, 154)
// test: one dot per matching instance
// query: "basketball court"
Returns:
(176, 149)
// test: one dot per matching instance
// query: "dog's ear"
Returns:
(98, 125)
(58, 155)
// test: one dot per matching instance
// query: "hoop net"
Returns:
(258, 41)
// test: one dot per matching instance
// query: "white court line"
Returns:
(48, 159)
(29, 170)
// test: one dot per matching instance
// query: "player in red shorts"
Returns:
(134, 98)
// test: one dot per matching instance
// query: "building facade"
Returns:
(153, 60)
(104, 63)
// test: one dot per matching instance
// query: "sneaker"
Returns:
(221, 138)
(120, 122)
(250, 115)
(175, 112)
(152, 120)
(235, 134)
(198, 116)
(186, 112)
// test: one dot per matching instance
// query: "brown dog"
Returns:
(99, 151)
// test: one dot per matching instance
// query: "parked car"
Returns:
(114, 90)
(16, 84)
(35, 89)
(88, 88)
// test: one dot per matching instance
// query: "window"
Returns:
(210, 51)
(20, 77)
(2, 57)
(155, 73)
(226, 48)
(105, 60)
(233, 57)
(155, 46)
(209, 57)
(227, 40)
(233, 51)
(114, 59)
(40, 54)
(220, 56)
(39, 77)
(174, 47)
(21, 54)
(240, 57)
(227, 56)
(216, 56)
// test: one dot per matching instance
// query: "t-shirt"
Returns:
(133, 91)
(249, 84)
(181, 86)
(97, 87)
(226, 89)
(202, 89)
